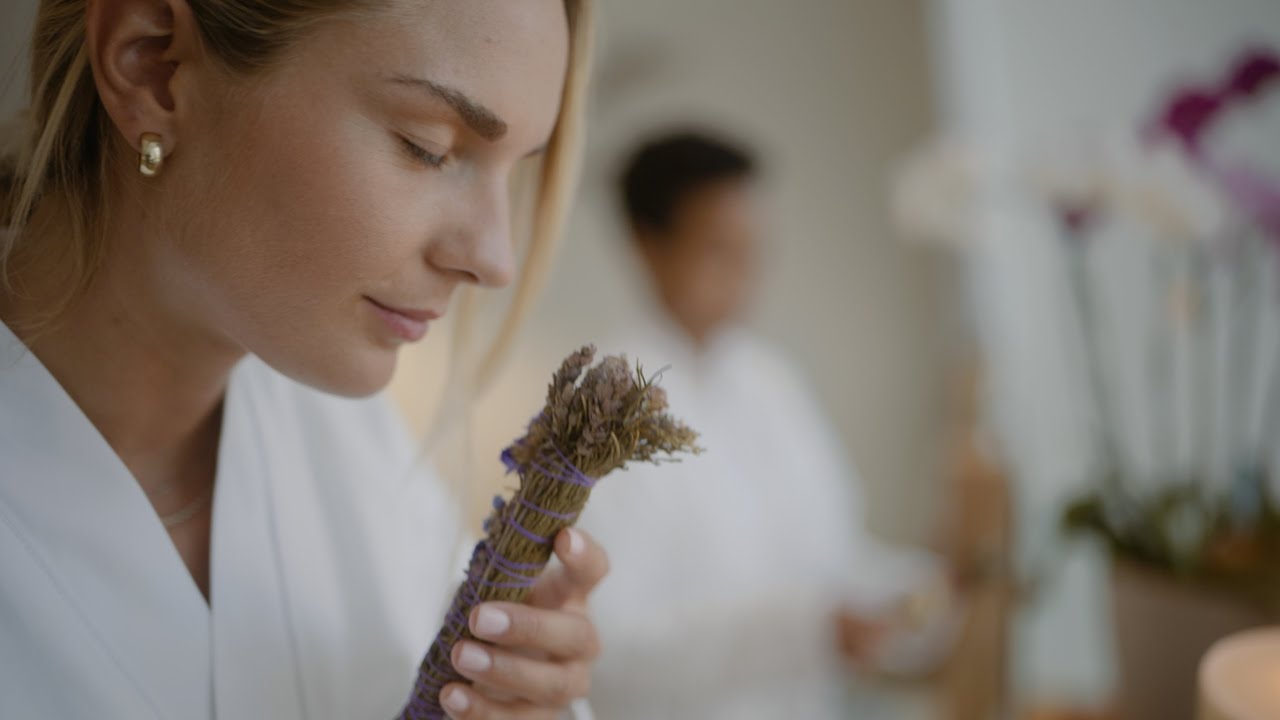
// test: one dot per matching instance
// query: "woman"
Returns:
(225, 214)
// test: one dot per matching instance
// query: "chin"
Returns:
(356, 374)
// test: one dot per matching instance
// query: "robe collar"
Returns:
(89, 526)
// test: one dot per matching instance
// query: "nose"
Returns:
(479, 245)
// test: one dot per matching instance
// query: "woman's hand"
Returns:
(536, 658)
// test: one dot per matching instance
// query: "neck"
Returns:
(149, 380)
(696, 334)
(697, 337)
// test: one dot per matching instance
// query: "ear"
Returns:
(140, 51)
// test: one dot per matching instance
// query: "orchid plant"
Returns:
(1201, 507)
(1170, 250)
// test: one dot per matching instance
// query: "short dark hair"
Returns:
(664, 171)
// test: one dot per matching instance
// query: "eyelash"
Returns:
(429, 159)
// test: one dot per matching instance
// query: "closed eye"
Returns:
(427, 158)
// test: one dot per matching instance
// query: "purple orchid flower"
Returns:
(1255, 194)
(1186, 118)
(1077, 219)
(1252, 73)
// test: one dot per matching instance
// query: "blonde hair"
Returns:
(59, 151)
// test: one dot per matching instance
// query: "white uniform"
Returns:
(331, 562)
(728, 567)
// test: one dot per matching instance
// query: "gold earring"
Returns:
(152, 155)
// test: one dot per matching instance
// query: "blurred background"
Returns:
(809, 89)
(1025, 254)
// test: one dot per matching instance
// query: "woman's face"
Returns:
(337, 201)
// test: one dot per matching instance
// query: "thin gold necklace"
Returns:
(184, 514)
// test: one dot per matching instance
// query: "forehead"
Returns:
(508, 55)
(722, 203)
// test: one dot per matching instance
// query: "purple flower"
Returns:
(1187, 116)
(1255, 194)
(1255, 69)
(1077, 219)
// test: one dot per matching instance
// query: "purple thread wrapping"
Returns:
(419, 709)
(569, 474)
(421, 705)
(512, 584)
(531, 536)
(518, 567)
(424, 702)
(548, 513)
(436, 668)
(509, 461)
(515, 576)
(579, 477)
(573, 478)
(459, 615)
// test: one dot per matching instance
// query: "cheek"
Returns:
(332, 205)
(314, 207)
(697, 284)
(307, 214)
(717, 286)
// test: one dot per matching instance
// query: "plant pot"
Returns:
(1163, 628)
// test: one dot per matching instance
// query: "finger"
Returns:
(583, 565)
(560, 634)
(464, 703)
(584, 560)
(541, 682)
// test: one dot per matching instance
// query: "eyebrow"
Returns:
(480, 119)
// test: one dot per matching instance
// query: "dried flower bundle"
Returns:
(596, 420)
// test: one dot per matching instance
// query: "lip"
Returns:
(408, 324)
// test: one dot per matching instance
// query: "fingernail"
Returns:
(456, 700)
(472, 658)
(491, 621)
(576, 542)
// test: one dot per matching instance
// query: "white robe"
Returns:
(331, 561)
(728, 567)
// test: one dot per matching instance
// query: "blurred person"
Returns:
(223, 221)
(747, 584)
